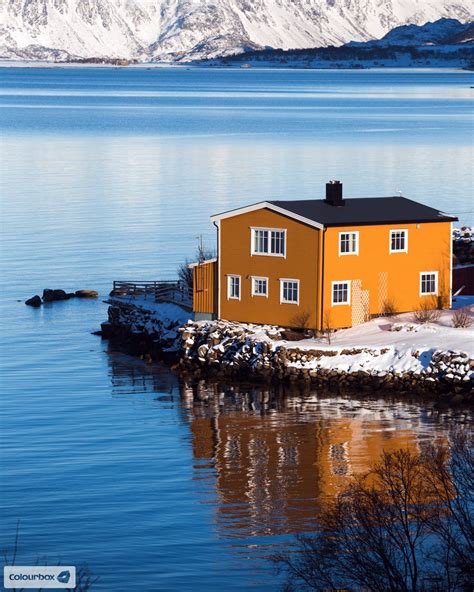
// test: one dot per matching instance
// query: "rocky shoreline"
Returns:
(239, 352)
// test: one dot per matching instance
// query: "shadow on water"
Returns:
(267, 457)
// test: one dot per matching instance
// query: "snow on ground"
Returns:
(166, 313)
(403, 332)
(397, 344)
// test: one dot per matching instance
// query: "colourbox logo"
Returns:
(39, 576)
(64, 577)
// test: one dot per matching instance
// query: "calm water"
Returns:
(112, 174)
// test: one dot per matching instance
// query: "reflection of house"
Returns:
(274, 466)
(325, 262)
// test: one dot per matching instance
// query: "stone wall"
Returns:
(242, 352)
(237, 351)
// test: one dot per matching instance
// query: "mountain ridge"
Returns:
(186, 30)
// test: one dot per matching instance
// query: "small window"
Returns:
(399, 241)
(259, 286)
(233, 287)
(348, 243)
(260, 241)
(429, 283)
(341, 293)
(268, 241)
(289, 291)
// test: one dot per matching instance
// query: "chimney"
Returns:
(334, 193)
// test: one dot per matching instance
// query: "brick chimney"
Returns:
(334, 193)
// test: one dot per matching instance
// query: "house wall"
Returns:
(301, 262)
(377, 275)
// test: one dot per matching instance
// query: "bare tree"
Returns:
(405, 526)
(327, 326)
(185, 273)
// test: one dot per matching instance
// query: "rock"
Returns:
(70, 295)
(59, 295)
(54, 295)
(48, 295)
(86, 293)
(35, 301)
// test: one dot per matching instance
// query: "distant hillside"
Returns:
(184, 30)
(443, 43)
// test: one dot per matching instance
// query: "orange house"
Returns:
(324, 263)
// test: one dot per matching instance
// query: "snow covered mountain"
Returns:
(441, 32)
(191, 29)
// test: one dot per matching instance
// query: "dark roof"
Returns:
(365, 210)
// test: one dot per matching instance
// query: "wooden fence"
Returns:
(160, 291)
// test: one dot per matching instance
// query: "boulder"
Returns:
(48, 295)
(34, 301)
(54, 295)
(59, 295)
(87, 293)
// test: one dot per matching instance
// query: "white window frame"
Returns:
(354, 232)
(435, 273)
(254, 293)
(297, 282)
(269, 241)
(349, 287)
(392, 231)
(230, 277)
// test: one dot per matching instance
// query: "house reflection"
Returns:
(276, 458)
(267, 458)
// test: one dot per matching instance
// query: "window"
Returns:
(429, 283)
(268, 241)
(341, 293)
(289, 291)
(233, 287)
(399, 241)
(348, 243)
(259, 286)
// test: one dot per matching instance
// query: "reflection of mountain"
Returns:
(277, 458)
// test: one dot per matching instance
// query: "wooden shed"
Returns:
(205, 277)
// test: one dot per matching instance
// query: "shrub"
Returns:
(461, 318)
(388, 308)
(427, 312)
(301, 320)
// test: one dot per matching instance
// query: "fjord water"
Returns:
(112, 174)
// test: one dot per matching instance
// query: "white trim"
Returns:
(231, 276)
(266, 229)
(257, 277)
(405, 250)
(282, 301)
(197, 263)
(435, 273)
(451, 265)
(356, 252)
(349, 288)
(262, 205)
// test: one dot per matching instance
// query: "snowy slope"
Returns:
(190, 29)
(443, 31)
